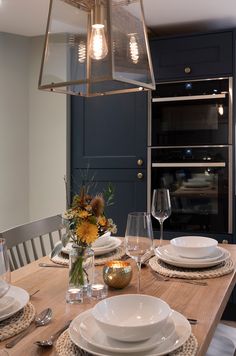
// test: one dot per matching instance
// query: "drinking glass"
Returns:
(138, 238)
(161, 207)
(5, 274)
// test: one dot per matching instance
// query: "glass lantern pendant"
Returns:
(96, 47)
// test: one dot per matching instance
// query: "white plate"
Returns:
(169, 251)
(92, 333)
(5, 303)
(184, 262)
(102, 251)
(21, 299)
(114, 243)
(181, 334)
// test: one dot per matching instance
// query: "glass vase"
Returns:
(81, 273)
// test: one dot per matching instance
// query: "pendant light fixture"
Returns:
(96, 47)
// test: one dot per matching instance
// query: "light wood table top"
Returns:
(204, 303)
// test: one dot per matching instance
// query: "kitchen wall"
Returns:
(33, 136)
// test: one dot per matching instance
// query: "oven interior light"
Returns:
(220, 110)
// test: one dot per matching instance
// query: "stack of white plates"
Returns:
(15, 299)
(110, 244)
(88, 335)
(185, 256)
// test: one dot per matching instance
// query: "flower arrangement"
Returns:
(86, 220)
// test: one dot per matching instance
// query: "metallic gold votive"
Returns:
(117, 274)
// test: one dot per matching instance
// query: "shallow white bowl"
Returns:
(131, 317)
(193, 246)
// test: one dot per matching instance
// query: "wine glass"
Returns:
(161, 207)
(138, 238)
(5, 274)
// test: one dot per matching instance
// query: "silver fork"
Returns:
(196, 282)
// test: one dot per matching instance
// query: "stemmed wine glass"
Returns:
(161, 207)
(5, 274)
(138, 238)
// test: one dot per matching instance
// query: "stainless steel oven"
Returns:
(200, 182)
(197, 112)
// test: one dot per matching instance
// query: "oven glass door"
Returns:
(190, 118)
(199, 194)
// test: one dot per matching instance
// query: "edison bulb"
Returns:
(221, 110)
(133, 48)
(81, 51)
(98, 44)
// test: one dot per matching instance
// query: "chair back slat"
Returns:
(34, 249)
(19, 255)
(13, 258)
(42, 245)
(26, 253)
(11, 264)
(51, 240)
(32, 240)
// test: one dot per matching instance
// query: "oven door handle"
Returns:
(189, 97)
(188, 164)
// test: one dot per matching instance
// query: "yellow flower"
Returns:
(83, 214)
(102, 221)
(87, 232)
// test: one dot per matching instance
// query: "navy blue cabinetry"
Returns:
(193, 56)
(109, 135)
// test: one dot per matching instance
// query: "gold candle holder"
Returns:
(117, 274)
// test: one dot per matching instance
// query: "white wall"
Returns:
(14, 162)
(47, 143)
(32, 136)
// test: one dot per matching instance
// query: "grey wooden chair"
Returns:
(33, 240)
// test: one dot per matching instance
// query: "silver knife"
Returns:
(52, 265)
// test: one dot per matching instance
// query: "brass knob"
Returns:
(140, 175)
(187, 70)
(139, 162)
(225, 242)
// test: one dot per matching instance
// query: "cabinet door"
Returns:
(109, 131)
(130, 191)
(205, 55)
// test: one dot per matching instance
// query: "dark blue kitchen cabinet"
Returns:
(109, 131)
(109, 144)
(193, 56)
(130, 192)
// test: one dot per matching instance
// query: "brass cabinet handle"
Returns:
(187, 70)
(140, 175)
(140, 162)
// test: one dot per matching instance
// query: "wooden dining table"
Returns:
(204, 303)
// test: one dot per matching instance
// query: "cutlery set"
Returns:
(41, 319)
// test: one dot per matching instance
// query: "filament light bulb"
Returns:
(221, 110)
(133, 48)
(81, 52)
(98, 45)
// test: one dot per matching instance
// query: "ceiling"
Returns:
(164, 17)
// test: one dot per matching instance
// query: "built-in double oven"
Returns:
(190, 153)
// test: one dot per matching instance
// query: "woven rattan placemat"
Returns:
(65, 346)
(17, 322)
(190, 273)
(119, 252)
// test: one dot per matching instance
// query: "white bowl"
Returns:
(102, 240)
(194, 246)
(131, 317)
